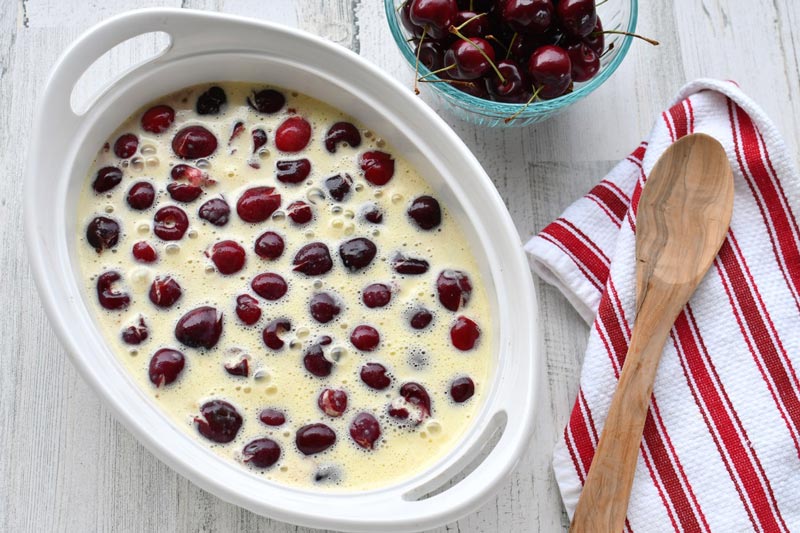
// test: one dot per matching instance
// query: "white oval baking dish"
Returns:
(209, 47)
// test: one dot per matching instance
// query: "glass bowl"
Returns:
(618, 15)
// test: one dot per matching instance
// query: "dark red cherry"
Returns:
(144, 252)
(420, 319)
(332, 402)
(292, 170)
(409, 265)
(228, 257)
(269, 286)
(338, 186)
(314, 438)
(413, 398)
(106, 179)
(365, 430)
(378, 167)
(218, 421)
(193, 175)
(467, 60)
(462, 389)
(158, 119)
(342, 133)
(435, 15)
(126, 145)
(376, 295)
(136, 333)
(211, 101)
(425, 211)
(269, 245)
(194, 142)
(596, 39)
(237, 130)
(238, 368)
(430, 54)
(357, 253)
(300, 212)
(272, 417)
(165, 291)
(472, 24)
(365, 338)
(528, 16)
(314, 359)
(108, 297)
(577, 17)
(516, 85)
(585, 61)
(324, 307)
(405, 19)
(183, 192)
(374, 376)
(257, 204)
(141, 195)
(170, 223)
(293, 134)
(165, 366)
(464, 333)
(550, 68)
(454, 289)
(259, 139)
(215, 211)
(476, 88)
(261, 453)
(271, 334)
(313, 259)
(247, 309)
(267, 101)
(200, 328)
(373, 214)
(102, 233)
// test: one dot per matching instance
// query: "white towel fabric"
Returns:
(721, 445)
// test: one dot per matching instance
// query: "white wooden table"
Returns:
(67, 465)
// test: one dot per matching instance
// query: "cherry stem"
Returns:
(498, 41)
(451, 82)
(458, 34)
(511, 44)
(607, 50)
(472, 5)
(598, 4)
(617, 32)
(416, 63)
(466, 22)
(402, 5)
(530, 100)
(431, 73)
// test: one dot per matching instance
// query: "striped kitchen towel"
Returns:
(721, 445)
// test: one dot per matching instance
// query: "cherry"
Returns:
(292, 170)
(269, 245)
(313, 259)
(596, 39)
(414, 396)
(365, 430)
(211, 101)
(194, 142)
(261, 453)
(332, 402)
(465, 60)
(462, 389)
(193, 175)
(200, 328)
(454, 289)
(464, 333)
(365, 338)
(373, 214)
(106, 179)
(267, 101)
(577, 17)
(425, 211)
(585, 61)
(102, 233)
(215, 211)
(228, 257)
(170, 223)
(515, 89)
(126, 145)
(324, 307)
(165, 366)
(220, 421)
(378, 167)
(237, 130)
(247, 309)
(269, 286)
(550, 68)
(472, 88)
(240, 368)
(300, 212)
(528, 16)
(158, 119)
(136, 333)
(314, 359)
(376, 295)
(259, 139)
(144, 252)
(293, 134)
(338, 186)
(357, 253)
(183, 192)
(273, 330)
(342, 132)
(314, 438)
(430, 54)
(405, 19)
(165, 291)
(141, 195)
(374, 376)
(108, 297)
(421, 319)
(257, 204)
(436, 16)
(472, 24)
(272, 417)
(409, 265)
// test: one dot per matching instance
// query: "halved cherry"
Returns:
(126, 145)
(293, 134)
(269, 245)
(409, 265)
(144, 252)
(108, 297)
(247, 309)
(193, 175)
(374, 376)
(332, 402)
(257, 204)
(462, 389)
(425, 211)
(238, 368)
(158, 119)
(165, 291)
(454, 289)
(324, 307)
(314, 438)
(314, 359)
(313, 259)
(376, 295)
(342, 133)
(237, 130)
(228, 256)
(272, 417)
(261, 453)
(365, 338)
(259, 139)
(102, 233)
(170, 223)
(273, 330)
(194, 142)
(464, 333)
(200, 328)
(338, 186)
(268, 101)
(373, 214)
(215, 211)
(106, 179)
(292, 170)
(136, 333)
(184, 192)
(300, 212)
(357, 253)
(220, 421)
(413, 405)
(141, 195)
(378, 167)
(365, 430)
(269, 285)
(165, 366)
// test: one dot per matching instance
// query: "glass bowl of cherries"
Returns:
(511, 62)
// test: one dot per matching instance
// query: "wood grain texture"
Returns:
(68, 466)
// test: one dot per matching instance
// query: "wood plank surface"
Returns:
(67, 465)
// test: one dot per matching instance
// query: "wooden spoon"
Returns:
(683, 218)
